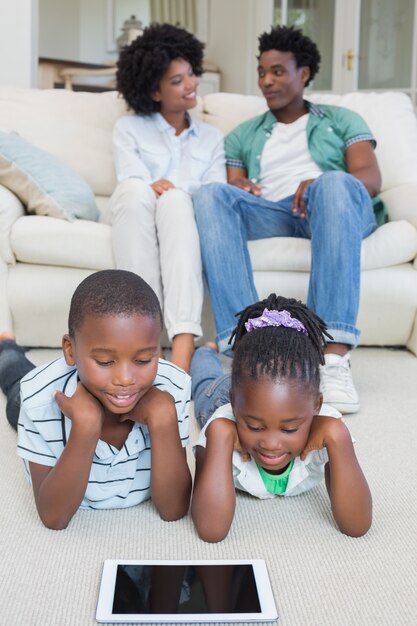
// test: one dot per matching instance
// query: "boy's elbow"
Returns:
(211, 536)
(54, 524)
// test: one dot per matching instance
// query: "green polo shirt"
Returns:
(330, 131)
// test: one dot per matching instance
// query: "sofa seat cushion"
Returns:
(44, 240)
(391, 244)
(83, 244)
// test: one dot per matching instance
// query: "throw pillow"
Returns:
(46, 185)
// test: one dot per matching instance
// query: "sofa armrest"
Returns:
(401, 202)
(10, 210)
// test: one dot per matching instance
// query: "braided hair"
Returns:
(278, 352)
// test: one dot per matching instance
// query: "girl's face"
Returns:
(273, 420)
(177, 90)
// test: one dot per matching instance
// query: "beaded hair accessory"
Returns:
(275, 318)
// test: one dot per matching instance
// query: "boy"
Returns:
(104, 426)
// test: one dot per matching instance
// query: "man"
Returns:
(298, 170)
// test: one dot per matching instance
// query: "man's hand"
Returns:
(153, 406)
(161, 186)
(324, 430)
(247, 185)
(298, 206)
(82, 408)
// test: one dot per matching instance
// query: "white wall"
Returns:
(234, 26)
(59, 29)
(18, 42)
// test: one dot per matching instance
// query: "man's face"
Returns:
(116, 358)
(280, 80)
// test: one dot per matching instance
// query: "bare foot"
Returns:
(7, 335)
(212, 345)
(183, 350)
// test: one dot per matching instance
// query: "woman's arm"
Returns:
(362, 164)
(214, 498)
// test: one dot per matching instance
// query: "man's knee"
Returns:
(207, 196)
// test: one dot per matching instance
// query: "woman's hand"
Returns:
(161, 186)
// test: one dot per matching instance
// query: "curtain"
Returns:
(179, 12)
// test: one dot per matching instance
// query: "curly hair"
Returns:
(279, 352)
(142, 65)
(113, 293)
(290, 39)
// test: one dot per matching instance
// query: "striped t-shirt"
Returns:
(118, 478)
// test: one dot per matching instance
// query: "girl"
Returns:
(162, 155)
(271, 439)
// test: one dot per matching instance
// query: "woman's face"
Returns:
(177, 90)
(273, 419)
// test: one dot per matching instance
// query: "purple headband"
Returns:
(275, 318)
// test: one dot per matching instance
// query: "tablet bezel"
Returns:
(108, 580)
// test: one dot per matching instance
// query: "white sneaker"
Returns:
(336, 383)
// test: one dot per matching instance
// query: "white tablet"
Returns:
(185, 591)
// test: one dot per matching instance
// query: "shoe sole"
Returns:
(344, 408)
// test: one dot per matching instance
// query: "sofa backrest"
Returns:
(77, 126)
(390, 116)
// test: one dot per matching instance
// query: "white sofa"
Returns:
(42, 259)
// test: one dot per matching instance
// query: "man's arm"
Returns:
(362, 164)
(214, 498)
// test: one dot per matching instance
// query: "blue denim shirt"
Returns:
(330, 132)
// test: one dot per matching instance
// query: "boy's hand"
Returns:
(153, 406)
(223, 427)
(82, 408)
(324, 430)
(161, 186)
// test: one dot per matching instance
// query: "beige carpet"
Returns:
(319, 577)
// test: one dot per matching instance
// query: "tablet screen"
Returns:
(192, 588)
(185, 591)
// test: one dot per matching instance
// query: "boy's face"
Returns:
(177, 90)
(273, 420)
(280, 80)
(116, 358)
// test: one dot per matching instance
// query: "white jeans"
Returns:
(157, 238)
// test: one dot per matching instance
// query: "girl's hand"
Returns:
(324, 430)
(82, 408)
(153, 407)
(161, 186)
(224, 427)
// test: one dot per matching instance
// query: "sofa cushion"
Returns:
(42, 182)
(391, 244)
(46, 241)
(83, 244)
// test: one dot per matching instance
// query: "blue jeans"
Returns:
(13, 366)
(339, 216)
(210, 387)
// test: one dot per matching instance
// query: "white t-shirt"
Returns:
(286, 160)
(304, 475)
(118, 478)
